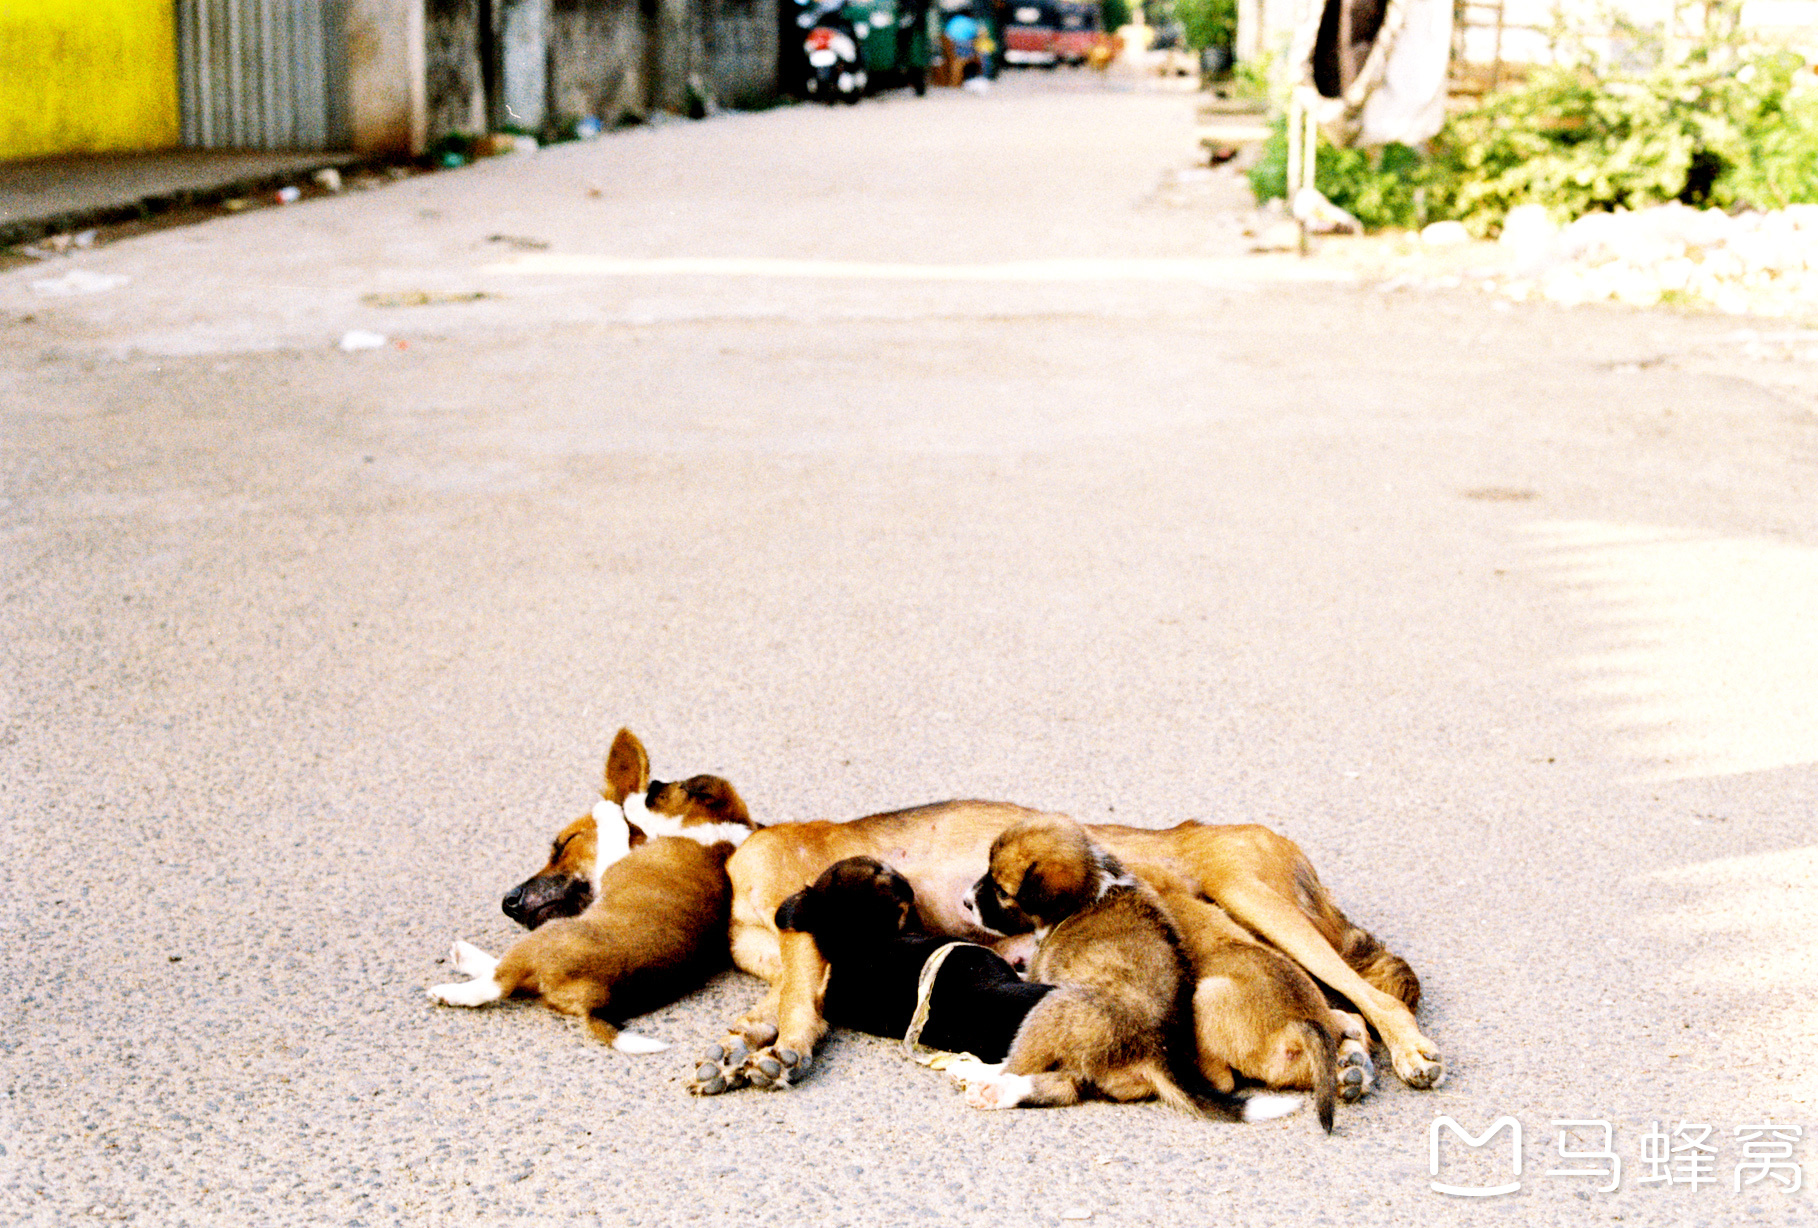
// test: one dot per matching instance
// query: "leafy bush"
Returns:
(1696, 132)
(1712, 130)
(1207, 23)
(1114, 14)
(1380, 188)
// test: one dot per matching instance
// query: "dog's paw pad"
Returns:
(1420, 1070)
(760, 1035)
(777, 1069)
(719, 1069)
(1356, 1074)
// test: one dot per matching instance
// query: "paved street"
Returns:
(872, 456)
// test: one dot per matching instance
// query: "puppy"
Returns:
(863, 918)
(1118, 1023)
(653, 911)
(1255, 1011)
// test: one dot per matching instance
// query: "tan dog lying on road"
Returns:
(1119, 1021)
(1261, 879)
(647, 871)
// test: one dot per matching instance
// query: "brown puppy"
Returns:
(1118, 1022)
(654, 924)
(1261, 879)
(1256, 1012)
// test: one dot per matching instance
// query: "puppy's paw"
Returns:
(465, 993)
(777, 1068)
(469, 960)
(1003, 1091)
(720, 1069)
(968, 1071)
(1356, 1072)
(1419, 1067)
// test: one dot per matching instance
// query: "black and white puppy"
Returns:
(863, 918)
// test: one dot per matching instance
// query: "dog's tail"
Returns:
(1323, 1052)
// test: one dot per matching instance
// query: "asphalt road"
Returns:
(1011, 475)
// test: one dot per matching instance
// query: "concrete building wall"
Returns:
(454, 81)
(740, 43)
(599, 60)
(387, 102)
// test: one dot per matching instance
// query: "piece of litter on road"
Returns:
(359, 339)
(79, 281)
(1076, 1213)
(329, 179)
(288, 195)
(422, 298)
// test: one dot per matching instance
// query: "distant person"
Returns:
(962, 31)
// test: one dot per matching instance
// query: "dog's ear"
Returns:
(627, 768)
(1051, 889)
(796, 913)
(716, 796)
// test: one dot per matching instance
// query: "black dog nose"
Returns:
(513, 904)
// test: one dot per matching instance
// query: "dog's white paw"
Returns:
(1006, 1091)
(466, 993)
(968, 1070)
(1268, 1106)
(469, 960)
(631, 1042)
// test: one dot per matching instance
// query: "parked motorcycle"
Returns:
(850, 47)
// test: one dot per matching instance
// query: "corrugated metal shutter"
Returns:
(263, 74)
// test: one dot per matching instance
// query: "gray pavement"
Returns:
(44, 195)
(1011, 475)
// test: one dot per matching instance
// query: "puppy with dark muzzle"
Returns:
(1119, 1022)
(646, 872)
(863, 917)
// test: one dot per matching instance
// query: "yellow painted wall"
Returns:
(87, 76)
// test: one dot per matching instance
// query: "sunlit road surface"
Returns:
(868, 457)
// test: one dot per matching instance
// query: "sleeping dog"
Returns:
(862, 915)
(1120, 1020)
(646, 868)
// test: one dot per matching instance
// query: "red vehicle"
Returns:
(1078, 30)
(1030, 30)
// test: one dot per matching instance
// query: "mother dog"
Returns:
(1260, 878)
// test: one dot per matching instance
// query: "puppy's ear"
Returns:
(716, 797)
(627, 768)
(796, 913)
(1050, 889)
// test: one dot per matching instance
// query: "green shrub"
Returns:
(1115, 14)
(1710, 131)
(1207, 23)
(1380, 188)
(1696, 132)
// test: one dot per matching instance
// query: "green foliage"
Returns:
(1714, 130)
(1115, 14)
(1207, 23)
(1379, 187)
(1704, 133)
